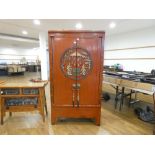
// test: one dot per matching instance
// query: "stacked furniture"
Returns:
(15, 69)
(3, 69)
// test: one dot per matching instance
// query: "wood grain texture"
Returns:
(2, 81)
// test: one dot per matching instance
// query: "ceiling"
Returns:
(15, 28)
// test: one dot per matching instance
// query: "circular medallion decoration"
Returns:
(76, 63)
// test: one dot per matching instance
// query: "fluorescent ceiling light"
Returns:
(24, 32)
(36, 22)
(78, 26)
(112, 25)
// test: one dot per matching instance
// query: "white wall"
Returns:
(145, 55)
(14, 55)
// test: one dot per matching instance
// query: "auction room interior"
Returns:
(77, 76)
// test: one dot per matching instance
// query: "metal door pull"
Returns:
(76, 86)
(73, 97)
(76, 89)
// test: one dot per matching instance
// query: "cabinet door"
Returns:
(76, 71)
(89, 91)
(62, 86)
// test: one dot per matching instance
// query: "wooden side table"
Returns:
(22, 97)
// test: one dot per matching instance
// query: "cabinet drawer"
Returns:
(29, 91)
(10, 91)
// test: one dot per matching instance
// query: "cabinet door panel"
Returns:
(89, 93)
(63, 94)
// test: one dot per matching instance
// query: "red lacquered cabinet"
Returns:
(76, 66)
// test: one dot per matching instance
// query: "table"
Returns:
(22, 97)
(134, 86)
(145, 88)
(1, 81)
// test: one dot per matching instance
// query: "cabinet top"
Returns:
(76, 31)
(59, 32)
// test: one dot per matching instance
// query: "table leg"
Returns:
(41, 97)
(116, 98)
(45, 103)
(2, 111)
(130, 98)
(10, 114)
(122, 99)
(154, 110)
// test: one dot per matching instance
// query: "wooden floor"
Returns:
(112, 121)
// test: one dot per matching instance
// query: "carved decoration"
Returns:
(76, 63)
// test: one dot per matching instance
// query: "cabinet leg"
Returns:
(53, 120)
(97, 120)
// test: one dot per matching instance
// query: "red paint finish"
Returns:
(76, 76)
